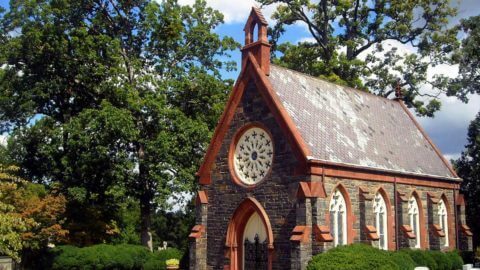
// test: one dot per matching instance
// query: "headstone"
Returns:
(421, 268)
(6, 263)
(467, 267)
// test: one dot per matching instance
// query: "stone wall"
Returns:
(276, 193)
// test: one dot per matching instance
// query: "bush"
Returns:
(421, 258)
(442, 260)
(456, 261)
(353, 257)
(106, 257)
(402, 260)
(360, 256)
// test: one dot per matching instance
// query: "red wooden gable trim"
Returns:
(252, 71)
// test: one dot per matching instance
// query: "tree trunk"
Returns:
(145, 202)
(146, 221)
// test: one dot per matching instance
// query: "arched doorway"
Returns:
(249, 237)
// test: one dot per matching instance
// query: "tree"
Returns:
(468, 168)
(127, 93)
(468, 60)
(31, 216)
(350, 44)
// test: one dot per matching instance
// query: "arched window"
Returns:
(338, 218)
(380, 216)
(443, 218)
(413, 214)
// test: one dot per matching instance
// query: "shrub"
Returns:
(456, 261)
(106, 257)
(421, 258)
(353, 257)
(402, 260)
(441, 259)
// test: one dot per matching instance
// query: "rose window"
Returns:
(253, 155)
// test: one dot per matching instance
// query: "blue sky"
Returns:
(449, 127)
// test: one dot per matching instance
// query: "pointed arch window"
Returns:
(338, 218)
(413, 213)
(443, 218)
(380, 216)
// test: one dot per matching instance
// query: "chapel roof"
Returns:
(347, 126)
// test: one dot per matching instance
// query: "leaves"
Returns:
(350, 39)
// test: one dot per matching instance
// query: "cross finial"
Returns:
(398, 90)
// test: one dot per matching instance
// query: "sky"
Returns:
(448, 129)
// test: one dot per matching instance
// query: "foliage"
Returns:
(455, 259)
(402, 260)
(421, 258)
(350, 44)
(174, 227)
(468, 168)
(111, 100)
(361, 256)
(110, 257)
(31, 216)
(353, 257)
(468, 59)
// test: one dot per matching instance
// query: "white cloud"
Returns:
(307, 39)
(236, 11)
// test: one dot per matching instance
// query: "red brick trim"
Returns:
(231, 153)
(437, 151)
(433, 198)
(437, 230)
(197, 231)
(322, 233)
(301, 234)
(460, 199)
(371, 232)
(236, 228)
(369, 174)
(408, 231)
(202, 197)
(466, 230)
(311, 190)
(365, 194)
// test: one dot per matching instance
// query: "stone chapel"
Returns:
(298, 165)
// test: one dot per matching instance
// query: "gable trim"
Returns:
(252, 70)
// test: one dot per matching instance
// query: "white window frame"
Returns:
(338, 212)
(380, 217)
(443, 219)
(414, 216)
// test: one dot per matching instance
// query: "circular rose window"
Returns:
(253, 155)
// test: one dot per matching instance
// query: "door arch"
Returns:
(236, 229)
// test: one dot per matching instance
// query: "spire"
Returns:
(258, 46)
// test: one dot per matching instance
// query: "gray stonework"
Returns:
(277, 193)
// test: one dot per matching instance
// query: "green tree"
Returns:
(349, 44)
(468, 168)
(127, 93)
(468, 60)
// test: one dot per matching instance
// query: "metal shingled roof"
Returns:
(349, 126)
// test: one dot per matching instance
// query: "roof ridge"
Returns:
(332, 83)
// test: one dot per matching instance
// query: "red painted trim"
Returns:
(236, 228)
(452, 171)
(390, 218)
(202, 197)
(222, 128)
(231, 153)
